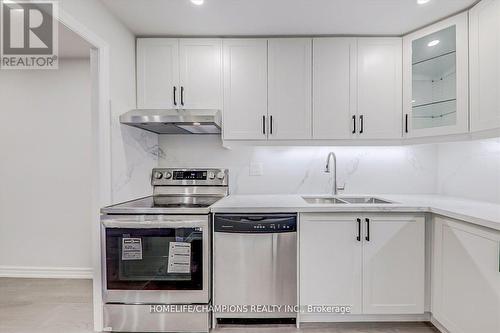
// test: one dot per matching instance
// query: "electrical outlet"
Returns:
(256, 169)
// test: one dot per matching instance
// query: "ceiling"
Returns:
(280, 17)
(71, 45)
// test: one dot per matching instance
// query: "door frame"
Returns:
(101, 146)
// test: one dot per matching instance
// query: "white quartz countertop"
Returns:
(476, 212)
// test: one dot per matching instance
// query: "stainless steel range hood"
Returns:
(173, 121)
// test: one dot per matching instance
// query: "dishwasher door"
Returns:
(255, 264)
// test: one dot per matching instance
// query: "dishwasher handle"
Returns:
(255, 223)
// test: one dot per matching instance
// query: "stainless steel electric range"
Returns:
(156, 254)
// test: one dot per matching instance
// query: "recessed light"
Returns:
(422, 2)
(433, 43)
(197, 2)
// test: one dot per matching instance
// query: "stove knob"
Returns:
(157, 175)
(168, 175)
(211, 175)
(221, 175)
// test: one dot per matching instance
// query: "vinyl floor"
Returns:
(65, 306)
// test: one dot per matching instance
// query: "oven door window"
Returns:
(154, 259)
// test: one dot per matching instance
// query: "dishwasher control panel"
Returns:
(255, 223)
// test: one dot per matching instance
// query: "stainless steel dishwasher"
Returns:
(255, 264)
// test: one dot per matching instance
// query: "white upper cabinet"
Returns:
(289, 91)
(484, 48)
(436, 79)
(245, 89)
(334, 80)
(200, 73)
(157, 73)
(379, 95)
(179, 73)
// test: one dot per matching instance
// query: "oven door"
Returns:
(156, 259)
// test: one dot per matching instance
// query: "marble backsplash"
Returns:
(470, 169)
(407, 169)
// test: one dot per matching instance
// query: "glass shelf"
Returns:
(435, 116)
(434, 103)
(433, 58)
(442, 113)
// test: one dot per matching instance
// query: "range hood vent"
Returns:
(173, 121)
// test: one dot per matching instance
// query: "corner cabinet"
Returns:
(179, 73)
(435, 79)
(484, 48)
(465, 277)
(374, 263)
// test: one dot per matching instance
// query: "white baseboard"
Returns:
(329, 318)
(46, 272)
(438, 325)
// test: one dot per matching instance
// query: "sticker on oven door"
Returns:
(131, 249)
(179, 257)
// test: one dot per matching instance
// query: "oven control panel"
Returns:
(197, 177)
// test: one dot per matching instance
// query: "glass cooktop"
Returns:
(165, 205)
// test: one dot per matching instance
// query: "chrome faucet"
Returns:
(334, 176)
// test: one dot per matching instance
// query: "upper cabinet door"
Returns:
(379, 88)
(290, 88)
(157, 73)
(200, 73)
(436, 79)
(245, 89)
(484, 34)
(334, 85)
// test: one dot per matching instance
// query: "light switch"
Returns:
(256, 169)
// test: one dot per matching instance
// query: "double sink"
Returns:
(346, 200)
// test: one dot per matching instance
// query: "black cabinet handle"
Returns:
(359, 230)
(367, 229)
(271, 125)
(263, 124)
(353, 124)
(175, 93)
(182, 95)
(361, 124)
(406, 123)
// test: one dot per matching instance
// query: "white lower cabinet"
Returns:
(466, 277)
(330, 261)
(374, 263)
(394, 265)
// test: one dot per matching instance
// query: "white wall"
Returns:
(470, 169)
(301, 169)
(45, 168)
(133, 151)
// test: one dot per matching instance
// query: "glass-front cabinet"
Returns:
(435, 91)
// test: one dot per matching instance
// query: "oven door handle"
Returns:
(154, 224)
